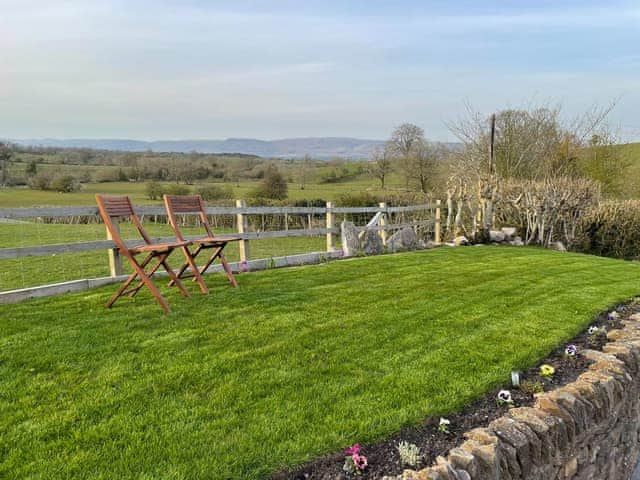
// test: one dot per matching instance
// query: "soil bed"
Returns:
(383, 458)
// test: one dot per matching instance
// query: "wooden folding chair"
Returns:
(176, 204)
(118, 207)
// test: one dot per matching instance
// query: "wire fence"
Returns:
(43, 247)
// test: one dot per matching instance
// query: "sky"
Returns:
(169, 69)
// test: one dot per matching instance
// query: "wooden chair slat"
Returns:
(194, 204)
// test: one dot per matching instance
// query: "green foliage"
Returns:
(294, 364)
(176, 189)
(48, 180)
(41, 181)
(273, 185)
(64, 184)
(32, 168)
(611, 229)
(531, 387)
(215, 192)
(153, 190)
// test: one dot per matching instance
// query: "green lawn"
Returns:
(32, 271)
(295, 363)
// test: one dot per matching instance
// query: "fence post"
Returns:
(437, 222)
(243, 227)
(383, 222)
(330, 225)
(115, 261)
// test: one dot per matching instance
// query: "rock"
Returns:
(405, 239)
(516, 242)
(559, 246)
(461, 240)
(509, 232)
(432, 244)
(372, 243)
(421, 245)
(349, 237)
(497, 236)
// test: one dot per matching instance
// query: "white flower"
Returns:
(504, 396)
(444, 421)
(592, 330)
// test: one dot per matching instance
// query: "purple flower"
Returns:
(244, 266)
(571, 350)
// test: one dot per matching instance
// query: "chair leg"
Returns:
(147, 281)
(227, 270)
(174, 277)
(121, 290)
(190, 262)
(134, 291)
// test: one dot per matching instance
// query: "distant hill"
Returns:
(320, 148)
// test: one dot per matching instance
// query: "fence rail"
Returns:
(62, 212)
(238, 216)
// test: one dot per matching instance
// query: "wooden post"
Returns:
(437, 222)
(383, 222)
(243, 227)
(115, 261)
(330, 225)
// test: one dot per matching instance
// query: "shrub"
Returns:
(65, 184)
(273, 185)
(41, 181)
(611, 229)
(176, 189)
(153, 190)
(214, 192)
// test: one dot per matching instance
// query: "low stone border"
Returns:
(587, 429)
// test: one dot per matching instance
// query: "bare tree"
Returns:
(403, 142)
(305, 168)
(422, 162)
(381, 163)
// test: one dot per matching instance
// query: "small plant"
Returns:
(596, 335)
(547, 371)
(354, 463)
(409, 454)
(531, 387)
(504, 398)
(443, 426)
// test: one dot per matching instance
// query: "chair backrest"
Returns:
(176, 204)
(111, 208)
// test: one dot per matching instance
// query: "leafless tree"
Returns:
(403, 142)
(381, 163)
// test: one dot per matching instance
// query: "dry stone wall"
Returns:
(588, 429)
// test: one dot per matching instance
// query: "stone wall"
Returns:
(588, 429)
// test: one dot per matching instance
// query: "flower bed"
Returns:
(437, 435)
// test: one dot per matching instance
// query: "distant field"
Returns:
(26, 197)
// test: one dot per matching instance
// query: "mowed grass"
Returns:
(32, 271)
(294, 364)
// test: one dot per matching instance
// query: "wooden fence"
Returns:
(240, 212)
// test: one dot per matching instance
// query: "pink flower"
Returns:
(360, 461)
(353, 450)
